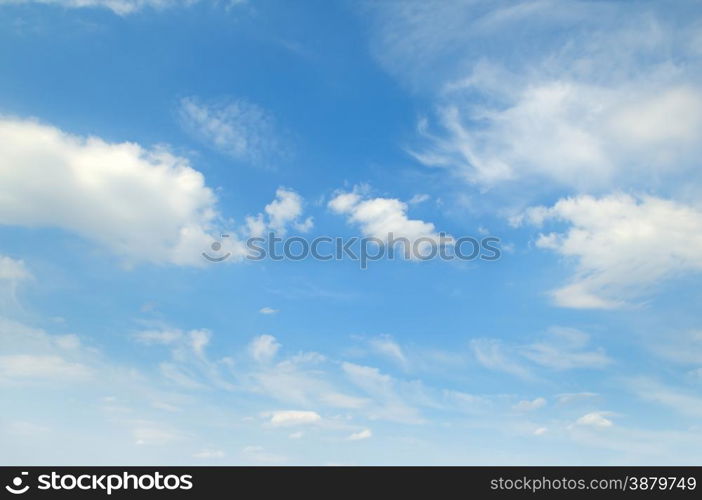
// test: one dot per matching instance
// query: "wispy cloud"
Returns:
(238, 128)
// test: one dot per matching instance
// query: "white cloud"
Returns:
(287, 418)
(360, 435)
(13, 270)
(386, 346)
(527, 405)
(560, 349)
(268, 310)
(144, 205)
(12, 273)
(595, 419)
(599, 94)
(296, 435)
(419, 198)
(622, 245)
(494, 355)
(283, 212)
(387, 400)
(30, 355)
(380, 217)
(540, 431)
(681, 347)
(573, 134)
(236, 127)
(23, 367)
(263, 348)
(681, 401)
(565, 349)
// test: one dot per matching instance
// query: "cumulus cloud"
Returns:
(621, 245)
(381, 217)
(144, 205)
(236, 127)
(283, 212)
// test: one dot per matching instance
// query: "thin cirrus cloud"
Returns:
(145, 205)
(615, 102)
(237, 128)
(559, 349)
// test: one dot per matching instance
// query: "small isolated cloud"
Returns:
(296, 435)
(268, 310)
(596, 419)
(527, 405)
(381, 217)
(418, 198)
(283, 212)
(621, 246)
(360, 435)
(288, 418)
(387, 347)
(540, 431)
(236, 127)
(264, 348)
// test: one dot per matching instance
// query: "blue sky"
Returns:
(134, 133)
